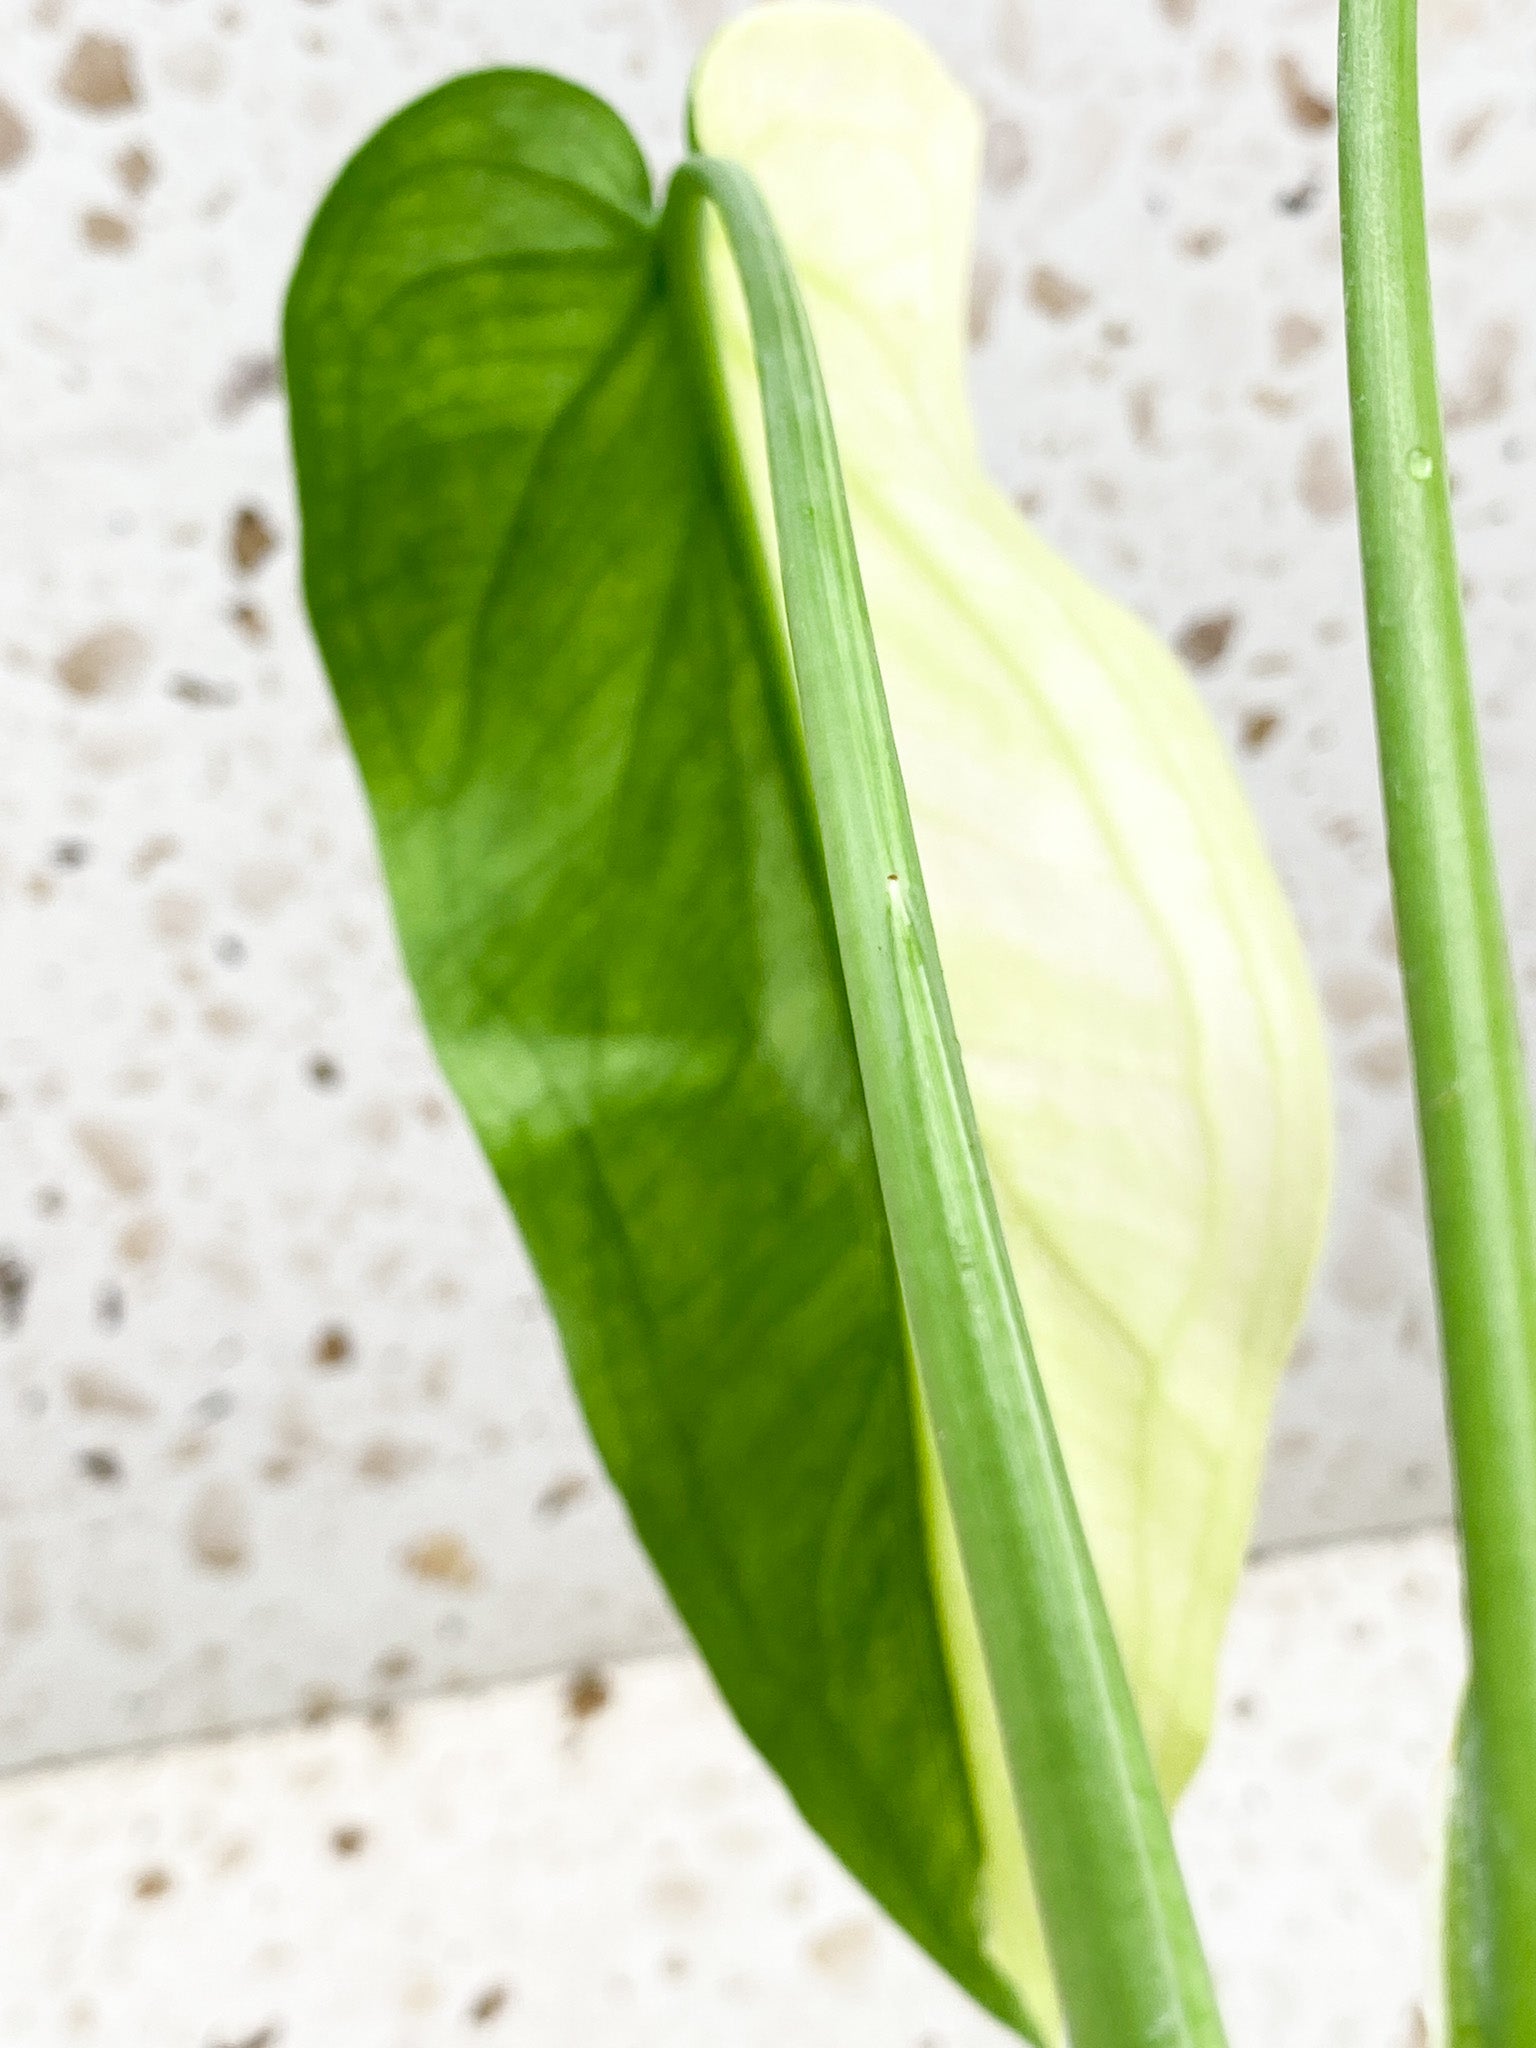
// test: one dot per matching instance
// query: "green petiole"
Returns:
(1474, 1111)
(1123, 1943)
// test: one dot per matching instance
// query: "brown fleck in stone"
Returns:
(844, 1950)
(442, 1559)
(110, 659)
(1355, 995)
(385, 1462)
(1257, 730)
(699, 18)
(249, 620)
(348, 1841)
(677, 1895)
(1202, 243)
(1005, 160)
(587, 1692)
(116, 1155)
(136, 169)
(1204, 641)
(1383, 1063)
(1485, 391)
(216, 1528)
(1180, 12)
(334, 1346)
(105, 1467)
(178, 915)
(1141, 406)
(395, 1666)
(1468, 134)
(251, 540)
(484, 2009)
(15, 137)
(95, 1392)
(226, 1020)
(1296, 336)
(261, 887)
(1015, 38)
(15, 1285)
(99, 76)
(250, 379)
(159, 847)
(1323, 479)
(1307, 107)
(986, 283)
(1056, 295)
(151, 1884)
(319, 1704)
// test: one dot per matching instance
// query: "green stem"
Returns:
(1474, 1112)
(1123, 1943)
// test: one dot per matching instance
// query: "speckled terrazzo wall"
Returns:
(282, 1422)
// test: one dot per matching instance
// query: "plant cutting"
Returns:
(850, 943)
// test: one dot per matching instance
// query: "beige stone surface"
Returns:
(597, 1858)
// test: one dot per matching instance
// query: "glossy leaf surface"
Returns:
(566, 702)
(568, 698)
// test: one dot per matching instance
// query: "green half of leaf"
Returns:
(564, 691)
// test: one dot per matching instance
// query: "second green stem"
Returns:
(1474, 1112)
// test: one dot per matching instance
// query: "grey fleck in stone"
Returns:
(15, 1285)
(250, 379)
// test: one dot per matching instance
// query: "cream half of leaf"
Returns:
(1140, 1030)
